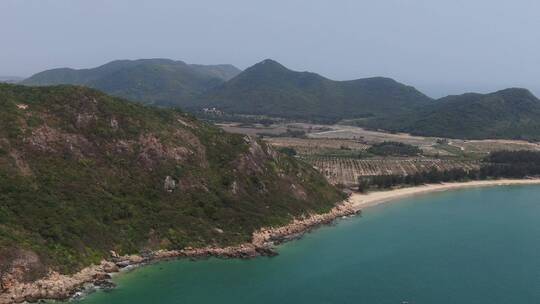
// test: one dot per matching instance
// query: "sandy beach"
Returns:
(360, 201)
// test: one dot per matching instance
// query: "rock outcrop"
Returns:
(83, 173)
(60, 287)
(169, 184)
(57, 286)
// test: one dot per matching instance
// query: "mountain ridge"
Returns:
(269, 88)
(509, 113)
(266, 88)
(157, 81)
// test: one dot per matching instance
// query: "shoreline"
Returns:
(62, 287)
(359, 201)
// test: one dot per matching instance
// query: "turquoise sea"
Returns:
(465, 246)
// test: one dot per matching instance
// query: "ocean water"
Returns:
(465, 246)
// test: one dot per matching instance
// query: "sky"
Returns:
(441, 47)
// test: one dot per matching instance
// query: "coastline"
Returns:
(359, 201)
(60, 287)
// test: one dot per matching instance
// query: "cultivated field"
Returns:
(351, 136)
(337, 150)
(310, 146)
(346, 171)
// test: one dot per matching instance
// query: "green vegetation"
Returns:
(160, 82)
(288, 151)
(392, 148)
(431, 176)
(268, 88)
(501, 164)
(511, 113)
(268, 91)
(82, 173)
(512, 164)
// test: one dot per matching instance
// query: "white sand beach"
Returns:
(360, 200)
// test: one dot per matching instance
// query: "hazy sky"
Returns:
(441, 47)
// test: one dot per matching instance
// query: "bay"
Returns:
(465, 246)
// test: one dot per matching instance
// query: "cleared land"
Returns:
(311, 146)
(338, 151)
(254, 129)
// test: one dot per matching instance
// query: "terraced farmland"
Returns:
(346, 171)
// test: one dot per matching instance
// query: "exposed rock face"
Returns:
(184, 123)
(298, 191)
(23, 265)
(234, 187)
(59, 287)
(270, 236)
(153, 151)
(169, 184)
(114, 123)
(43, 138)
(197, 149)
(52, 140)
(22, 165)
(56, 286)
(85, 119)
(256, 156)
(124, 146)
(86, 109)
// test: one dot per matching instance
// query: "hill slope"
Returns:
(511, 113)
(268, 88)
(153, 81)
(82, 173)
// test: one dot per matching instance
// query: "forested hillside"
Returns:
(82, 173)
(160, 82)
(269, 88)
(511, 113)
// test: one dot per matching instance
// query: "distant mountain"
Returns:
(10, 79)
(511, 113)
(269, 88)
(161, 82)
